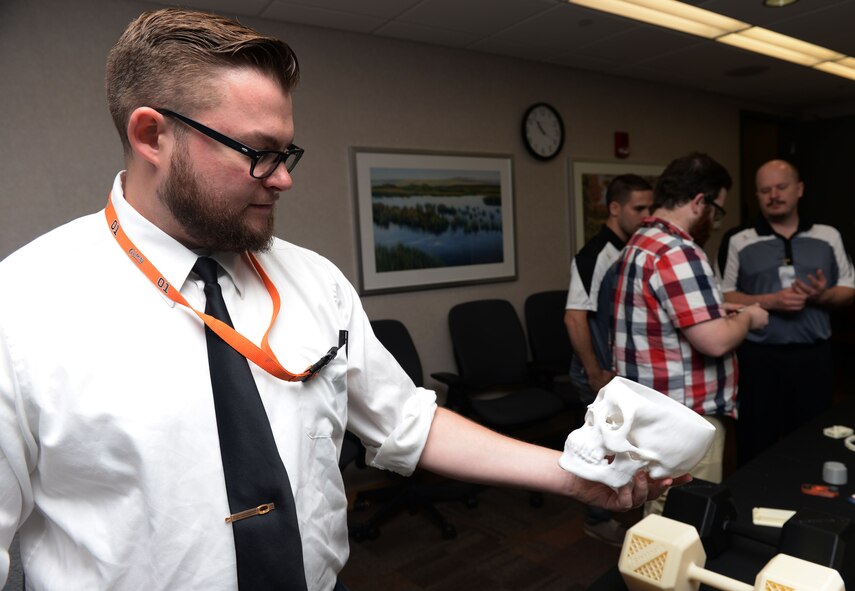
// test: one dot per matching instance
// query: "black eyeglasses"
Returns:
(262, 162)
(720, 212)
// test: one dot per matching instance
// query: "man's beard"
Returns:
(702, 229)
(212, 226)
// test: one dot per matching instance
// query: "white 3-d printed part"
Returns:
(770, 517)
(837, 431)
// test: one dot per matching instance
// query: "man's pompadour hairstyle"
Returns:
(165, 58)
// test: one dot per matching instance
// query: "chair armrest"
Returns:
(447, 378)
(455, 399)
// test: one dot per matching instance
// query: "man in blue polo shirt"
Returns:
(797, 271)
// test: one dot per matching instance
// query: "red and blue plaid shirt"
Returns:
(665, 284)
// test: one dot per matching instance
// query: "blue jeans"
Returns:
(579, 379)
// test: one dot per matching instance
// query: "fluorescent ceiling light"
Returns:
(679, 16)
(669, 14)
(770, 49)
(837, 68)
(778, 3)
(790, 43)
(693, 13)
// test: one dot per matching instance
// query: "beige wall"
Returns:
(59, 151)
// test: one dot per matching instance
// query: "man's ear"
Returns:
(146, 128)
(698, 203)
(614, 208)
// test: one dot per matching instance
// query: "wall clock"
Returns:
(543, 131)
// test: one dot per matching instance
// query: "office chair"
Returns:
(492, 385)
(551, 350)
(351, 451)
(547, 335)
(410, 493)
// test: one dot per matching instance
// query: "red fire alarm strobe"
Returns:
(621, 144)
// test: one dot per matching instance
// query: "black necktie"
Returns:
(264, 517)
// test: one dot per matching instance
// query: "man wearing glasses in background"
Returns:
(121, 412)
(798, 271)
(673, 331)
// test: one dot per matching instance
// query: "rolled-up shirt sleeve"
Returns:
(401, 450)
(390, 415)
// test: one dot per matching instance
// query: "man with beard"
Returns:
(122, 405)
(673, 331)
(589, 307)
(798, 271)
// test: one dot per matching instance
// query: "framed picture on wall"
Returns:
(428, 220)
(588, 196)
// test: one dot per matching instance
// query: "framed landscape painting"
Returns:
(429, 220)
(588, 200)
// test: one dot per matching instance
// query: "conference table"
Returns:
(774, 479)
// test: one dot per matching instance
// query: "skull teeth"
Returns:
(587, 454)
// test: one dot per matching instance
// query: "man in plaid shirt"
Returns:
(673, 331)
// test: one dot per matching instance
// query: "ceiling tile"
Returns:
(225, 7)
(566, 27)
(384, 9)
(640, 44)
(483, 17)
(322, 17)
(430, 35)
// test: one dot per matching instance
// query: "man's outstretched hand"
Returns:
(641, 489)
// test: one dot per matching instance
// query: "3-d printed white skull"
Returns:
(630, 427)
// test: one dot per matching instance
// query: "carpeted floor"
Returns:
(502, 544)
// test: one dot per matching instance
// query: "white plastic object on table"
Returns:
(768, 517)
(837, 431)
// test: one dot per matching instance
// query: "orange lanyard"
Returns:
(262, 356)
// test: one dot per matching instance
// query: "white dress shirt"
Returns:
(109, 458)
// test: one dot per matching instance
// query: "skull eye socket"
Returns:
(615, 420)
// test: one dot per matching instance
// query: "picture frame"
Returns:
(588, 197)
(429, 220)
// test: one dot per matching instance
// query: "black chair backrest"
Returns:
(489, 343)
(396, 338)
(547, 334)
